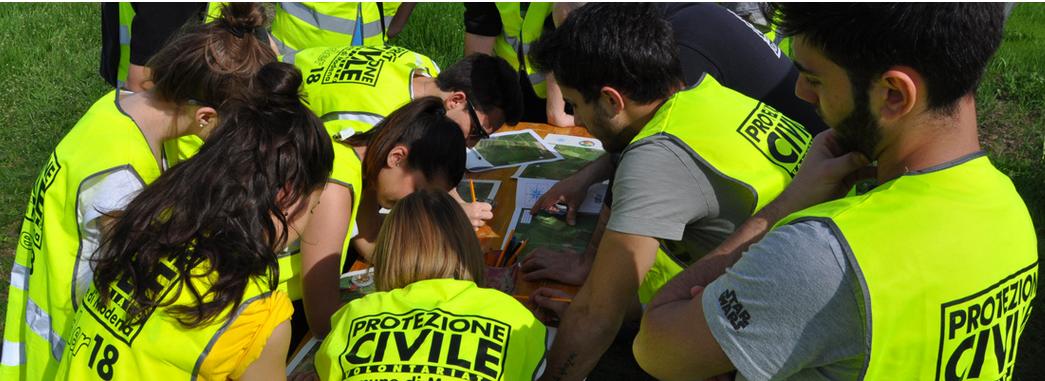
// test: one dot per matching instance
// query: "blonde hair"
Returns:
(426, 236)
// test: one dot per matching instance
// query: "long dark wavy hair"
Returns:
(215, 215)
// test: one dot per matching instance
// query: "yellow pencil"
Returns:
(505, 248)
(554, 299)
(472, 185)
(516, 253)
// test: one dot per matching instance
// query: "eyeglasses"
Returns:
(477, 131)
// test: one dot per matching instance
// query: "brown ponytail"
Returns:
(211, 63)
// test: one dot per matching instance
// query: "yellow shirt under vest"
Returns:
(103, 346)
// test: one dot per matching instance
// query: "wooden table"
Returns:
(491, 236)
(504, 202)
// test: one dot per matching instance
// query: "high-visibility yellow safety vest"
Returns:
(437, 328)
(784, 43)
(947, 259)
(519, 31)
(298, 26)
(746, 142)
(42, 297)
(351, 89)
(104, 346)
(126, 17)
(358, 86)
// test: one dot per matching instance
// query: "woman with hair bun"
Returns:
(115, 150)
(186, 275)
(429, 318)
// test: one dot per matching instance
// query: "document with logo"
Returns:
(576, 152)
(509, 149)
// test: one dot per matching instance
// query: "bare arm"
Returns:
(400, 19)
(478, 212)
(138, 78)
(474, 43)
(679, 325)
(368, 222)
(592, 320)
(555, 106)
(827, 173)
(271, 365)
(321, 246)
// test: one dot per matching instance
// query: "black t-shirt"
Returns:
(483, 19)
(153, 24)
(713, 40)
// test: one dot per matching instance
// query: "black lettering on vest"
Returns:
(952, 363)
(352, 357)
(437, 345)
(382, 343)
(483, 356)
(466, 347)
(406, 352)
(781, 140)
(32, 238)
(359, 66)
(991, 318)
(453, 355)
(957, 321)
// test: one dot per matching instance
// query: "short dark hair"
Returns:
(947, 43)
(629, 47)
(490, 83)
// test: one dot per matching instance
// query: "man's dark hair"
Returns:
(949, 44)
(490, 83)
(629, 47)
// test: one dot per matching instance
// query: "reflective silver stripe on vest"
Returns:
(282, 46)
(365, 117)
(14, 354)
(288, 58)
(125, 35)
(373, 28)
(514, 42)
(319, 20)
(40, 323)
(535, 78)
(20, 277)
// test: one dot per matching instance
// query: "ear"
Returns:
(397, 156)
(454, 100)
(898, 90)
(206, 117)
(611, 99)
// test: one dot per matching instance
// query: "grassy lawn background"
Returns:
(48, 78)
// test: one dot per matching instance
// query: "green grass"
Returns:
(1011, 103)
(48, 78)
(436, 30)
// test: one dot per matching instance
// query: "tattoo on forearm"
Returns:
(570, 361)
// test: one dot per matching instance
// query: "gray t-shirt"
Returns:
(660, 190)
(791, 308)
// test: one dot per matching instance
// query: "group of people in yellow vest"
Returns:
(175, 231)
